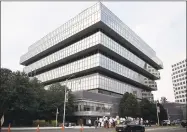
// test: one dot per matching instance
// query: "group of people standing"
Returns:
(104, 122)
(112, 122)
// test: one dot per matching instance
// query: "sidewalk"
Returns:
(47, 128)
(85, 127)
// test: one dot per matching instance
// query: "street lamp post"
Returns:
(157, 114)
(65, 95)
(57, 117)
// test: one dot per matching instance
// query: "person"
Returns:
(118, 121)
(107, 123)
(89, 122)
(100, 121)
(147, 122)
(141, 121)
(96, 123)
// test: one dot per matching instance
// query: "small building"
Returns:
(175, 110)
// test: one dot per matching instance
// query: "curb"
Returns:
(152, 129)
(45, 128)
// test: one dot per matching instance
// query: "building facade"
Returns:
(174, 110)
(103, 57)
(179, 81)
(148, 95)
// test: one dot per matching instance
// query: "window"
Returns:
(86, 108)
(98, 108)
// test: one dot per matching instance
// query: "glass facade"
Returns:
(65, 52)
(95, 81)
(91, 62)
(92, 106)
(97, 38)
(118, 77)
(118, 26)
(73, 26)
(148, 95)
(94, 14)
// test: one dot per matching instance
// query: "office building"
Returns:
(148, 95)
(179, 81)
(103, 57)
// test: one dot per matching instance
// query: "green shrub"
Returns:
(53, 123)
(41, 123)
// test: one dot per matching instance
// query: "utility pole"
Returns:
(167, 114)
(157, 111)
(65, 95)
(57, 117)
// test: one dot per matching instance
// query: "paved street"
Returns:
(166, 129)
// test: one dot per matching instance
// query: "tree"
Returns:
(24, 99)
(55, 99)
(163, 113)
(6, 90)
(163, 100)
(148, 110)
(128, 106)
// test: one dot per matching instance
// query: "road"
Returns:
(166, 129)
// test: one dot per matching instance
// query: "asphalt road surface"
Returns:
(180, 129)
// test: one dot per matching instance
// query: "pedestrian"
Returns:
(113, 125)
(149, 123)
(107, 123)
(89, 122)
(96, 123)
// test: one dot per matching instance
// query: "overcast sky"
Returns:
(161, 24)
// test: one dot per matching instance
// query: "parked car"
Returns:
(175, 122)
(129, 126)
(184, 123)
(166, 122)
